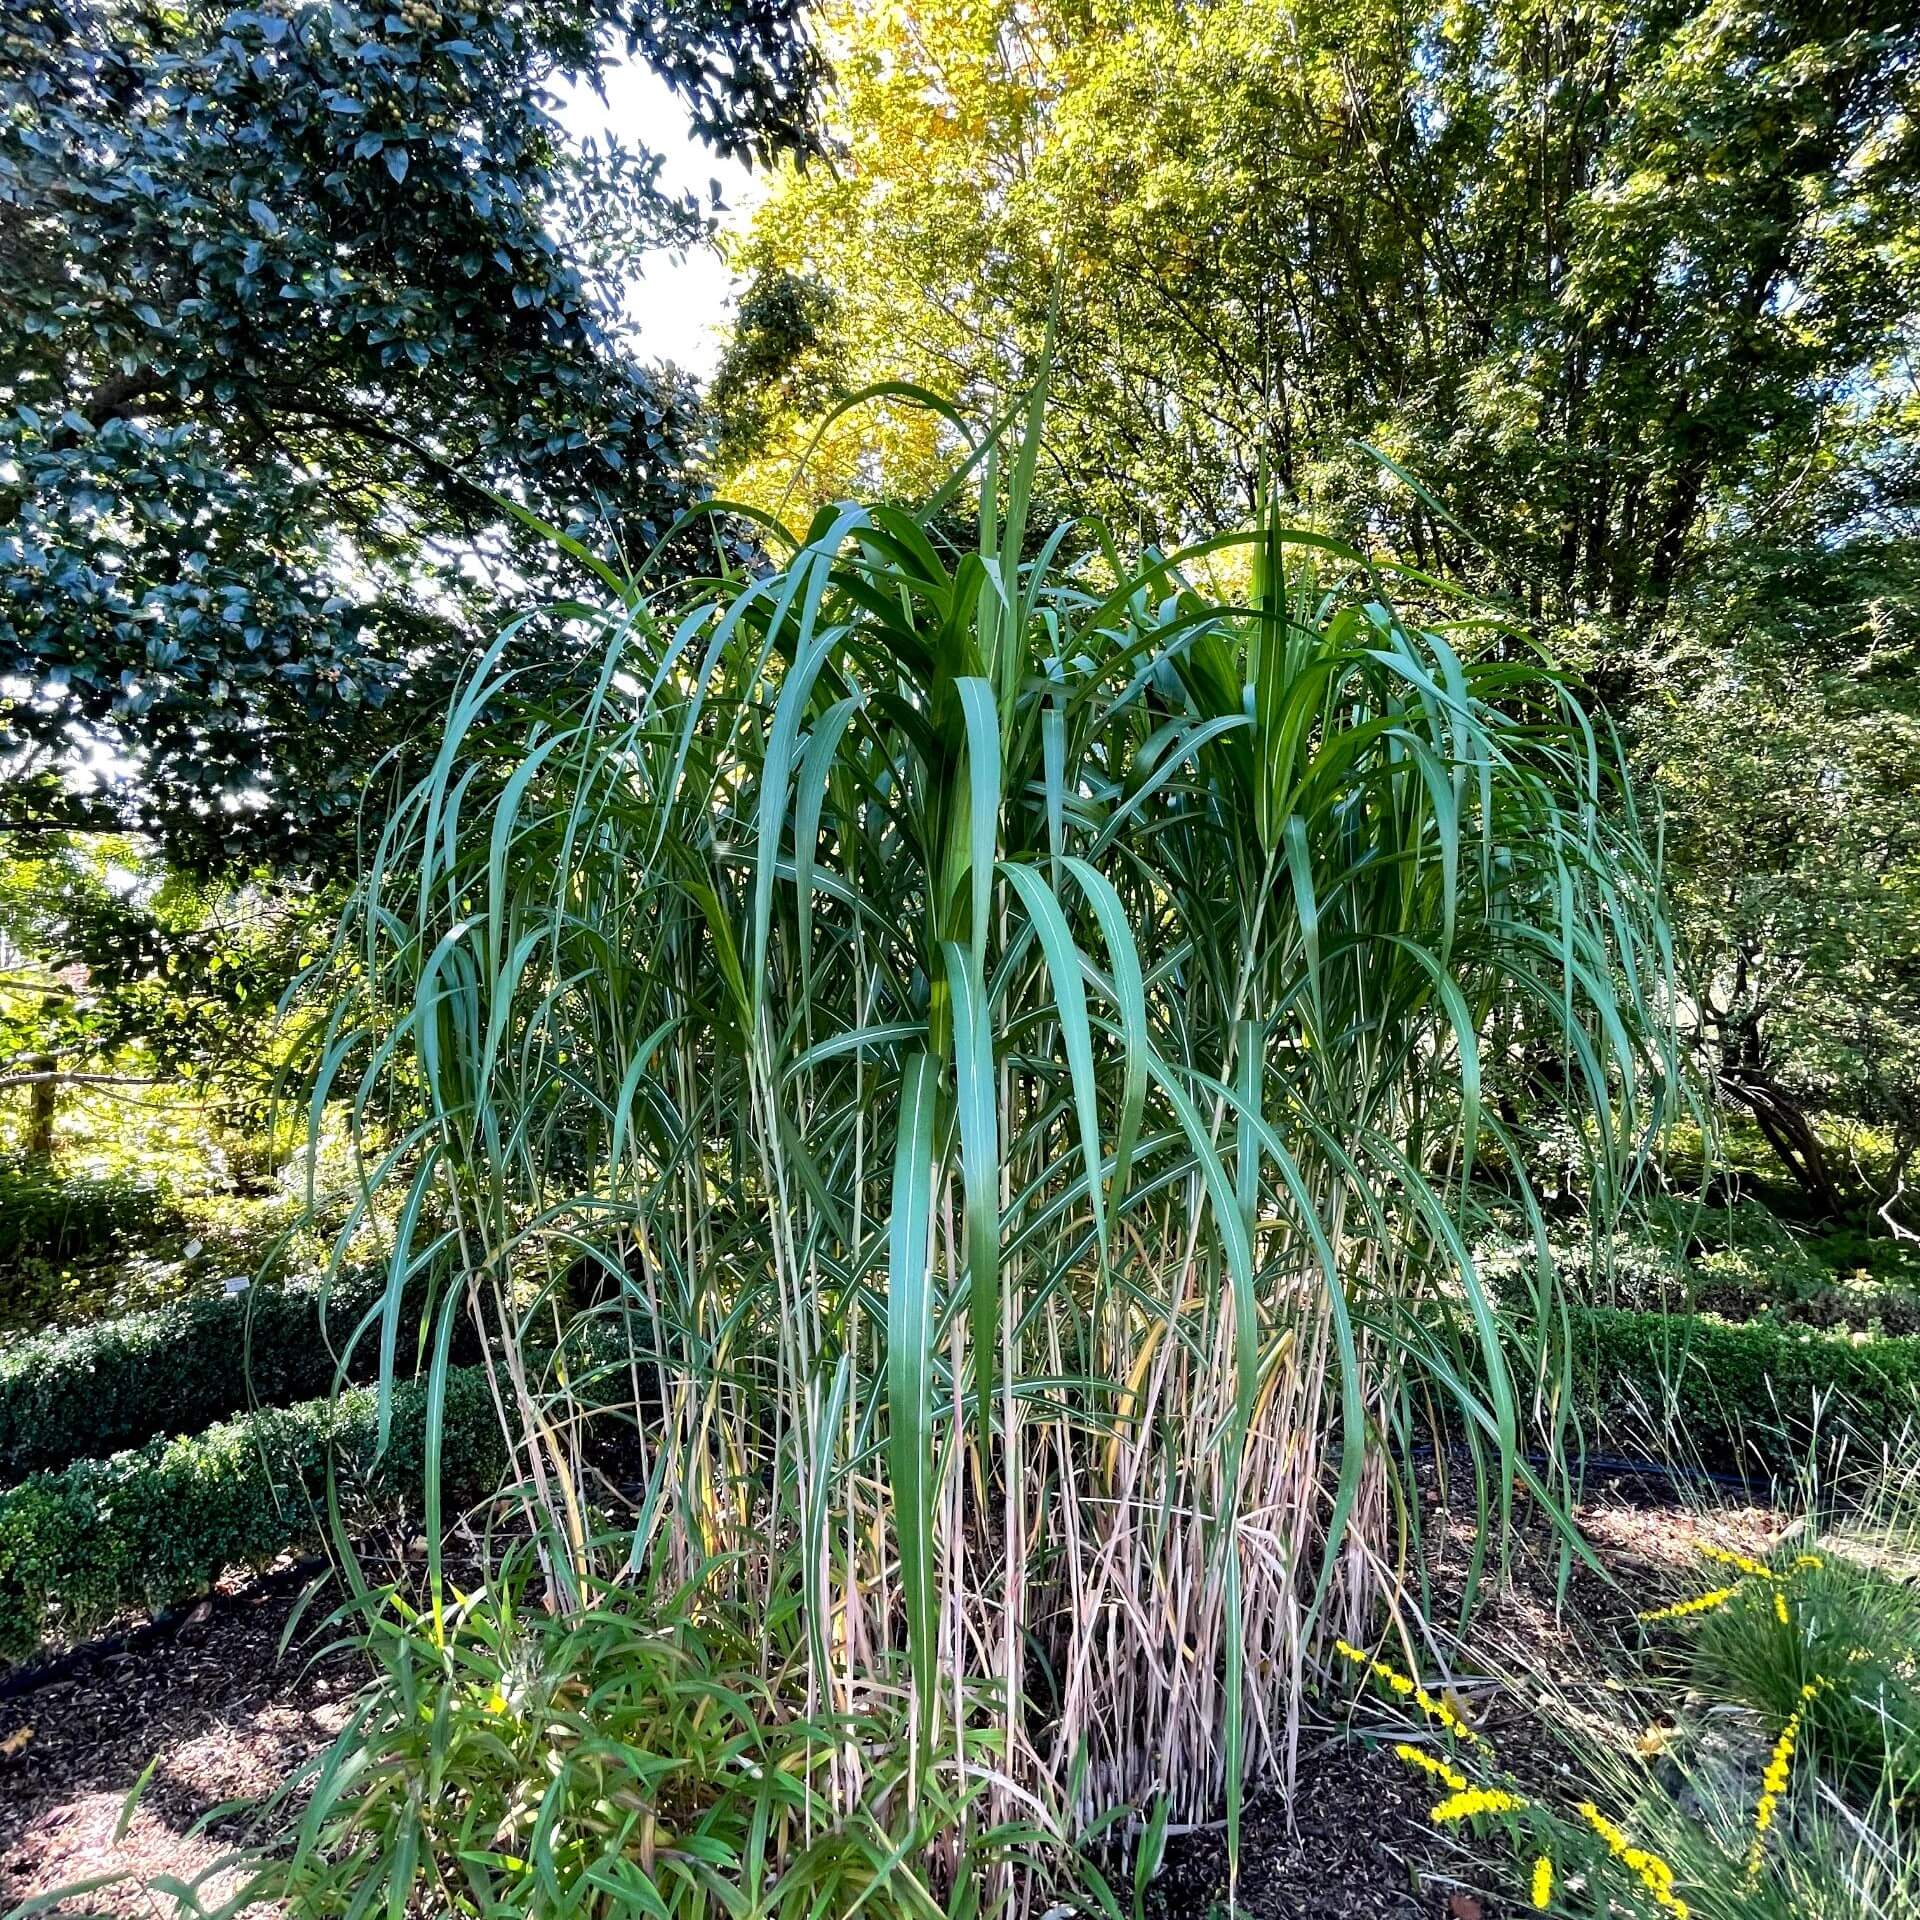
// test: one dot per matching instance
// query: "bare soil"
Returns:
(216, 1709)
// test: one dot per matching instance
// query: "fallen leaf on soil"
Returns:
(16, 1742)
(1463, 1906)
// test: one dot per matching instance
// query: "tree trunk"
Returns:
(1791, 1135)
(42, 1101)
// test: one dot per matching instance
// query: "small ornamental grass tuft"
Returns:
(1828, 1643)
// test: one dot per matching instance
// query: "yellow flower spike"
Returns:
(1542, 1884)
(1433, 1764)
(1702, 1603)
(1474, 1800)
(1780, 1607)
(1753, 1569)
(1436, 1710)
(1773, 1783)
(1654, 1873)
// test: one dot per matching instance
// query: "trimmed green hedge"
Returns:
(1726, 1391)
(67, 1395)
(145, 1529)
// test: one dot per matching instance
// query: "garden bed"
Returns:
(217, 1707)
(223, 1713)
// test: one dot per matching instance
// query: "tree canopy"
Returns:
(1607, 311)
(297, 300)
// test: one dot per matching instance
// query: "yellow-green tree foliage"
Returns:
(1629, 288)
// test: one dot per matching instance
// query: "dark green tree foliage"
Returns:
(283, 292)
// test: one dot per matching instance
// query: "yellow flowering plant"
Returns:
(1772, 1772)
(1825, 1643)
(1654, 1874)
(1773, 1783)
(1439, 1711)
(1779, 1783)
(1470, 1803)
(1750, 1570)
(1499, 1800)
(1540, 1891)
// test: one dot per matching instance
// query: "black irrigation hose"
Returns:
(163, 1626)
(1619, 1467)
(1616, 1467)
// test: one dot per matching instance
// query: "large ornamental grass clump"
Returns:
(960, 1081)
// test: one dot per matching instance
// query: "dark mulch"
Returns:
(1352, 1846)
(213, 1705)
(1354, 1843)
(224, 1716)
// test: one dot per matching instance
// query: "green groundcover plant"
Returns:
(630, 1756)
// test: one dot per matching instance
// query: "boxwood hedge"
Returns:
(146, 1528)
(95, 1389)
(1726, 1393)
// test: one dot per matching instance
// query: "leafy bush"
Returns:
(1878, 1257)
(626, 1757)
(1731, 1286)
(1727, 1391)
(145, 1529)
(118, 1383)
(1737, 1260)
(47, 1217)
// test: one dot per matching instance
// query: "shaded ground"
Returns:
(1356, 1847)
(216, 1710)
(1355, 1843)
(222, 1716)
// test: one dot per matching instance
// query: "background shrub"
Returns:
(147, 1528)
(45, 1216)
(1727, 1391)
(118, 1383)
